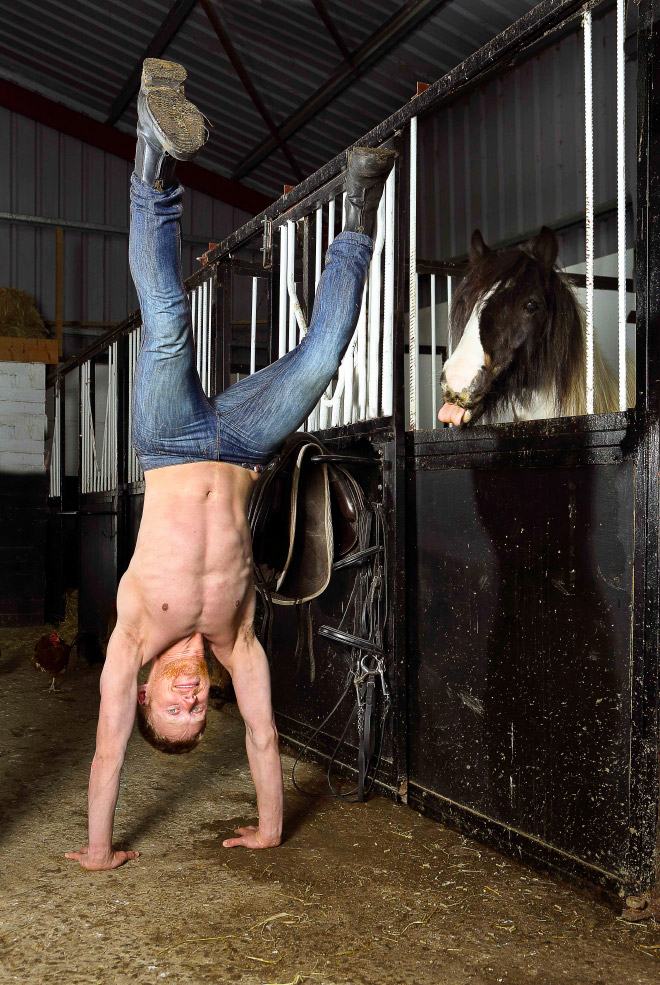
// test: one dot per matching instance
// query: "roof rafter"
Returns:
(248, 84)
(380, 43)
(332, 30)
(174, 20)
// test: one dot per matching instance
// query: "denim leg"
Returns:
(172, 418)
(260, 412)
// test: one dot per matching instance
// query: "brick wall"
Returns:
(22, 416)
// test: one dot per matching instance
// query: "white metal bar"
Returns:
(284, 258)
(325, 403)
(413, 334)
(388, 298)
(253, 327)
(434, 360)
(589, 207)
(331, 221)
(358, 409)
(314, 418)
(375, 290)
(621, 193)
(293, 297)
(204, 337)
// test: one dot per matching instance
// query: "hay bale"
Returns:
(19, 317)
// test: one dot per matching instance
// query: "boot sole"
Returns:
(177, 122)
(157, 72)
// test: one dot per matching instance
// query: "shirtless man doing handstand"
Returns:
(190, 578)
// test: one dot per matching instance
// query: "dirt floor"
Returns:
(368, 893)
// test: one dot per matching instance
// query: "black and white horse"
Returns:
(519, 340)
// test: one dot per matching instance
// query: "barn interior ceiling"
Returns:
(286, 84)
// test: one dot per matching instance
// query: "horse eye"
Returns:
(532, 305)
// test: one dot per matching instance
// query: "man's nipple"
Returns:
(165, 606)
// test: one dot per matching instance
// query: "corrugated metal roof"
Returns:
(82, 53)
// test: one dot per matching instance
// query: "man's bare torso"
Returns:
(192, 567)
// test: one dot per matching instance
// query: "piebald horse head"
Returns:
(516, 329)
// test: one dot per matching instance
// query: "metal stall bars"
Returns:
(55, 470)
(362, 390)
(98, 471)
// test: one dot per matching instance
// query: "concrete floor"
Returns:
(358, 894)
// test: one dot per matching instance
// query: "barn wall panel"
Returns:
(509, 156)
(45, 173)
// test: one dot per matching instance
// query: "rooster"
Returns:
(51, 653)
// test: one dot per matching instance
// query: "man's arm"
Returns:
(251, 679)
(116, 717)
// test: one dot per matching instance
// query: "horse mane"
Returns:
(555, 362)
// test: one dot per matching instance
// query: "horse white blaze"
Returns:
(468, 358)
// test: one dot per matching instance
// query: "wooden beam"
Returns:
(28, 350)
(113, 141)
(174, 20)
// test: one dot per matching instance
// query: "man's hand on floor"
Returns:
(251, 837)
(112, 860)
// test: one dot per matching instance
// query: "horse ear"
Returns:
(546, 247)
(478, 248)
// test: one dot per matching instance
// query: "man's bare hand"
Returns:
(96, 863)
(251, 837)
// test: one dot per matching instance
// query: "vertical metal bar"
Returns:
(388, 298)
(413, 334)
(318, 244)
(375, 292)
(589, 207)
(291, 282)
(284, 259)
(306, 271)
(253, 327)
(450, 294)
(434, 360)
(331, 221)
(324, 403)
(200, 332)
(358, 410)
(621, 192)
(131, 374)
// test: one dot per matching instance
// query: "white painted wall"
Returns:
(22, 416)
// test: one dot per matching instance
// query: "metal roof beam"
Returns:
(178, 13)
(332, 30)
(114, 141)
(396, 29)
(248, 84)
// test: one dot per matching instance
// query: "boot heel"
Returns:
(157, 73)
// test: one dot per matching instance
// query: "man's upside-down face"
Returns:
(175, 699)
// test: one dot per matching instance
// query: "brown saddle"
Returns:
(306, 513)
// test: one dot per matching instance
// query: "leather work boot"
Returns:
(368, 168)
(169, 127)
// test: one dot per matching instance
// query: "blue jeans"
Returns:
(173, 420)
